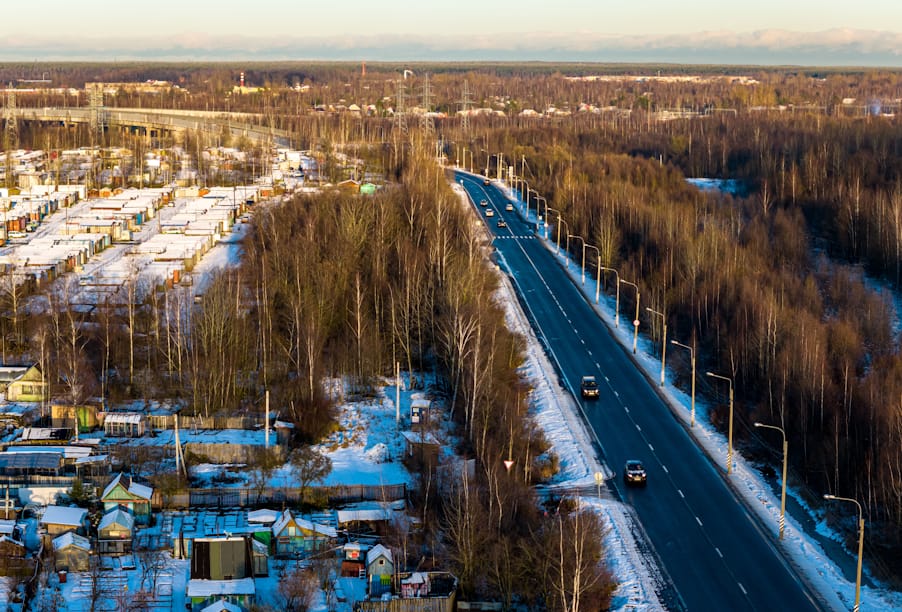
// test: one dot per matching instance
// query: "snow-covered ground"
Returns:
(805, 554)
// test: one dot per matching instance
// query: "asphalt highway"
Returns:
(716, 554)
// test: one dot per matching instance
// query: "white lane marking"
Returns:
(718, 552)
(590, 352)
(699, 521)
(625, 408)
(606, 379)
(664, 467)
(637, 427)
(651, 447)
(616, 394)
(681, 493)
(581, 340)
(744, 592)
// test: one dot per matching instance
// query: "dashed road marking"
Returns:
(664, 467)
(718, 552)
(680, 491)
(699, 521)
(651, 447)
(742, 588)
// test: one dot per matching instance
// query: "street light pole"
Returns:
(557, 247)
(663, 341)
(616, 294)
(542, 199)
(855, 608)
(783, 493)
(636, 320)
(597, 268)
(692, 361)
(730, 429)
(569, 236)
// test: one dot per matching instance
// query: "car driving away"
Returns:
(588, 387)
(502, 223)
(509, 207)
(483, 203)
(486, 182)
(489, 213)
(634, 473)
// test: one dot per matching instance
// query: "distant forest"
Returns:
(775, 288)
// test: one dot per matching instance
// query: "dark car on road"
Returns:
(634, 473)
(588, 387)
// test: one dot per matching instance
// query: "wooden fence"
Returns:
(242, 497)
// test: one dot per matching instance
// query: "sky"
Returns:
(812, 32)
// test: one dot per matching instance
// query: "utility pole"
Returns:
(12, 133)
(426, 122)
(466, 101)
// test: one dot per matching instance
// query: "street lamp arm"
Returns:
(765, 426)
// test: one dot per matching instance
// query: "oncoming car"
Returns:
(490, 213)
(483, 203)
(486, 182)
(588, 387)
(509, 207)
(634, 473)
(502, 223)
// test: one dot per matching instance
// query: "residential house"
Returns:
(58, 520)
(222, 568)
(115, 532)
(24, 383)
(294, 536)
(124, 493)
(379, 570)
(222, 606)
(66, 416)
(72, 552)
(353, 562)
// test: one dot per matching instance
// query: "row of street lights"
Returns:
(618, 281)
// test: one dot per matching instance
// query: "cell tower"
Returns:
(426, 122)
(9, 117)
(400, 116)
(465, 102)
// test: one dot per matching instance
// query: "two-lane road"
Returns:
(716, 554)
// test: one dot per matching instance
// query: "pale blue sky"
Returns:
(459, 17)
(818, 32)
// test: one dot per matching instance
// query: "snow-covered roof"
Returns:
(70, 538)
(263, 516)
(138, 490)
(222, 606)
(117, 517)
(283, 521)
(62, 515)
(124, 418)
(416, 578)
(378, 551)
(68, 451)
(212, 588)
(363, 515)
(325, 530)
(419, 437)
